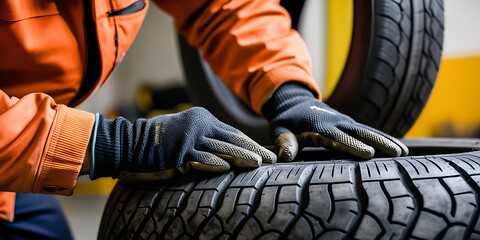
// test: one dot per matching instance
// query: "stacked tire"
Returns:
(416, 197)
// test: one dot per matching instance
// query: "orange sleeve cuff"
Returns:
(66, 148)
(263, 89)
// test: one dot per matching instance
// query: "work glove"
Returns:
(297, 119)
(163, 146)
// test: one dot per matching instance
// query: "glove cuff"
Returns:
(93, 140)
(105, 153)
(285, 97)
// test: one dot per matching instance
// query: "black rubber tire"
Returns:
(391, 69)
(417, 197)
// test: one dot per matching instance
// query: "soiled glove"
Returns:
(298, 119)
(158, 148)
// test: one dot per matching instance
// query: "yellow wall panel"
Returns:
(339, 35)
(455, 99)
(102, 186)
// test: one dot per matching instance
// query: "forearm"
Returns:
(249, 44)
(42, 145)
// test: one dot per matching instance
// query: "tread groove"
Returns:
(303, 200)
(136, 209)
(362, 199)
(216, 204)
(122, 210)
(256, 203)
(332, 203)
(453, 210)
(475, 188)
(434, 163)
(277, 197)
(389, 199)
(182, 204)
(379, 222)
(416, 197)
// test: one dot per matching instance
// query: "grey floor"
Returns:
(83, 214)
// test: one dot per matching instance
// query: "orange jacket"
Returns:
(53, 55)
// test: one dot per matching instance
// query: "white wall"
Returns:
(462, 28)
(313, 26)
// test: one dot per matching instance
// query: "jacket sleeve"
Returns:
(249, 44)
(42, 144)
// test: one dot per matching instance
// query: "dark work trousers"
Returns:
(37, 216)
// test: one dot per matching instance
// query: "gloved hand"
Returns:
(298, 119)
(160, 147)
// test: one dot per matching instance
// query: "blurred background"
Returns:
(150, 81)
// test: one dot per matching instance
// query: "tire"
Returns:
(416, 197)
(390, 71)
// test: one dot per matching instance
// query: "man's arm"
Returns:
(249, 44)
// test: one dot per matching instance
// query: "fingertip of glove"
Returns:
(271, 158)
(209, 167)
(405, 150)
(268, 156)
(285, 154)
(394, 151)
(287, 146)
(252, 161)
(365, 153)
(400, 149)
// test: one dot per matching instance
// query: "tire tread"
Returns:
(395, 25)
(421, 197)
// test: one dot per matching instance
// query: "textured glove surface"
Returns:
(298, 119)
(157, 148)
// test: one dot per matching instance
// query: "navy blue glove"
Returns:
(298, 119)
(160, 147)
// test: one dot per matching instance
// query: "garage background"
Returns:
(154, 60)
